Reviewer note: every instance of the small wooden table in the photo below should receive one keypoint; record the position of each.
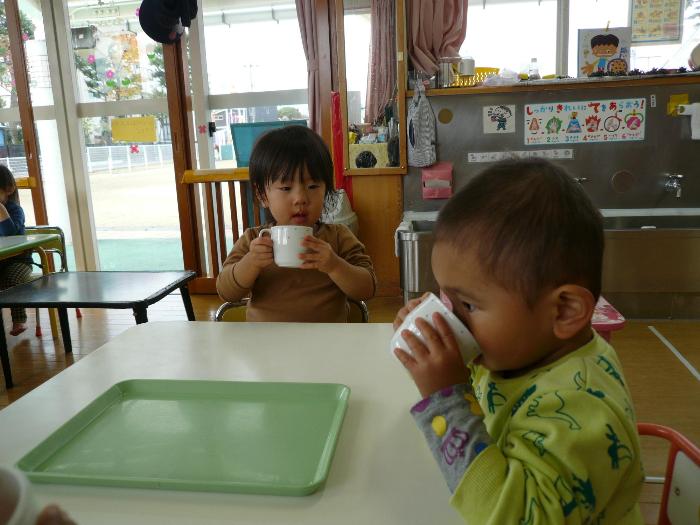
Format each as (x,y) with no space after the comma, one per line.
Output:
(15,244)
(63,290)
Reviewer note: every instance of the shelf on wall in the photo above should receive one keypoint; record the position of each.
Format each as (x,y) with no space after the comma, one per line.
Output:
(568,84)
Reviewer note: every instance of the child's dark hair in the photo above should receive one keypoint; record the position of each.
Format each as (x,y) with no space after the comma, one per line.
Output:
(605,40)
(533,228)
(282,153)
(7,181)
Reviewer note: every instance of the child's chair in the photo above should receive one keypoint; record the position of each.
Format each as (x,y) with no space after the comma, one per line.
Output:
(235,311)
(57,247)
(680,503)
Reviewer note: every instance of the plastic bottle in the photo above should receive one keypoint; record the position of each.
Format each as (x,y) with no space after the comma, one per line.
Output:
(534,70)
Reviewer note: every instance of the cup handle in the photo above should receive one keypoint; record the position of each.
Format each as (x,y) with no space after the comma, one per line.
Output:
(264,231)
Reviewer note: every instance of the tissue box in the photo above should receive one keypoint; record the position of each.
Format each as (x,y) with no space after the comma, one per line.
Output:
(437,181)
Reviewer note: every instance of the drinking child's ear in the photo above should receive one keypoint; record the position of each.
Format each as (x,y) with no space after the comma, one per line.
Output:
(574,310)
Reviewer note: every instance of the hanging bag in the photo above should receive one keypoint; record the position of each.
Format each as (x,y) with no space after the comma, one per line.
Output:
(421,130)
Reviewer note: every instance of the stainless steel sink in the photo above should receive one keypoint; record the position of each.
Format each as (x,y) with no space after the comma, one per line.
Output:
(414,243)
(672,222)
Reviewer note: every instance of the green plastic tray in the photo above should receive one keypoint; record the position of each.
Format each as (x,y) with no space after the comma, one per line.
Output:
(263,438)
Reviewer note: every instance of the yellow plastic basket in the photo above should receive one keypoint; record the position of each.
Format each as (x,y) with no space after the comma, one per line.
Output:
(480,74)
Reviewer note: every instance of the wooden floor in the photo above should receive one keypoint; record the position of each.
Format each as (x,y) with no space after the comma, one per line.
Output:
(664,390)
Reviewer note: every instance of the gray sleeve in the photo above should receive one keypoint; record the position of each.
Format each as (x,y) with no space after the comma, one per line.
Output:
(453,426)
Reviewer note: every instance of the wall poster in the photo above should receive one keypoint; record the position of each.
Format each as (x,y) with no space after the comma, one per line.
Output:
(587,121)
(656,21)
(499,119)
(605,50)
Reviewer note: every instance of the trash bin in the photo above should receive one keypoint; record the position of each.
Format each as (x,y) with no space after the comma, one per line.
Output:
(413,246)
(342,213)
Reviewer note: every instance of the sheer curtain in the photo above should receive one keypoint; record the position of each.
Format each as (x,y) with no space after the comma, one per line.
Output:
(436,28)
(381,76)
(306,14)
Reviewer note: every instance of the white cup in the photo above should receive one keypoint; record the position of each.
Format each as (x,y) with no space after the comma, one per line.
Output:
(17,505)
(286,243)
(425,310)
(466,66)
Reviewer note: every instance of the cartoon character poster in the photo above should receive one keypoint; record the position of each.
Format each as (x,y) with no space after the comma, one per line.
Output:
(603,51)
(587,121)
(499,119)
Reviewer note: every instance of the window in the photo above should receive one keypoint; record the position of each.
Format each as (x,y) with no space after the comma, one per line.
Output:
(242,56)
(589,14)
(114,58)
(509,33)
(256,67)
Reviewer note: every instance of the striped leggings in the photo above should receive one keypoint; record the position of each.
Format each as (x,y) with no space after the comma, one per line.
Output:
(11,274)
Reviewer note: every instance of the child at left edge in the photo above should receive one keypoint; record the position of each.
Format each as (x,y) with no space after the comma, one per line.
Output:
(17,269)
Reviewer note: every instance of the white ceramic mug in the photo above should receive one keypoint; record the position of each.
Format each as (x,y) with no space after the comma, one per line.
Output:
(286,243)
(466,66)
(17,505)
(425,310)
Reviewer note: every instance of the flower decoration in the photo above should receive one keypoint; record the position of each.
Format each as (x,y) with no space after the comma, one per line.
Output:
(109,74)
(202,129)
(91,59)
(134,148)
(25,37)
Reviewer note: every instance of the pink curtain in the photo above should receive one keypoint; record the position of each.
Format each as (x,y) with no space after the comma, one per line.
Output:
(436,28)
(306,14)
(381,76)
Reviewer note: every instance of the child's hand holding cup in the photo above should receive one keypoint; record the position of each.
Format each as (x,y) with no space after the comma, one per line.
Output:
(286,243)
(424,308)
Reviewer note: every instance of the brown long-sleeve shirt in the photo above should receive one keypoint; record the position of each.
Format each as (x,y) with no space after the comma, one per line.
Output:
(293,294)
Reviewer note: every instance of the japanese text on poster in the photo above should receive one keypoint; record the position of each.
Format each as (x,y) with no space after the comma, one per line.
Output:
(588,121)
(656,21)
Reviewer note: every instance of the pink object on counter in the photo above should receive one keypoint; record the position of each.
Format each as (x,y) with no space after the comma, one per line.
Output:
(606,319)
(437,181)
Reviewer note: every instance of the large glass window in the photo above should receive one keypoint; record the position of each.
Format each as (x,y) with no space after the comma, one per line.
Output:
(131,177)
(12,152)
(673,55)
(590,14)
(508,34)
(255,49)
(114,58)
(586,14)
(358,29)
(134,200)
(494,25)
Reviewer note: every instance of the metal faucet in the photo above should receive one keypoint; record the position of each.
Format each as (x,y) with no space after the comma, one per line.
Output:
(673,184)
(580,180)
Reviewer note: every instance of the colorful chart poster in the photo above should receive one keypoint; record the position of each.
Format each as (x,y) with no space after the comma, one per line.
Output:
(604,50)
(499,119)
(656,21)
(588,121)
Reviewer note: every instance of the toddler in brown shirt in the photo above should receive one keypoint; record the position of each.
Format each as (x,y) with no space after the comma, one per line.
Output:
(291,172)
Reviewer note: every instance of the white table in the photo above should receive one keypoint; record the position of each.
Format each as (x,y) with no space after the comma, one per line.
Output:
(382,472)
